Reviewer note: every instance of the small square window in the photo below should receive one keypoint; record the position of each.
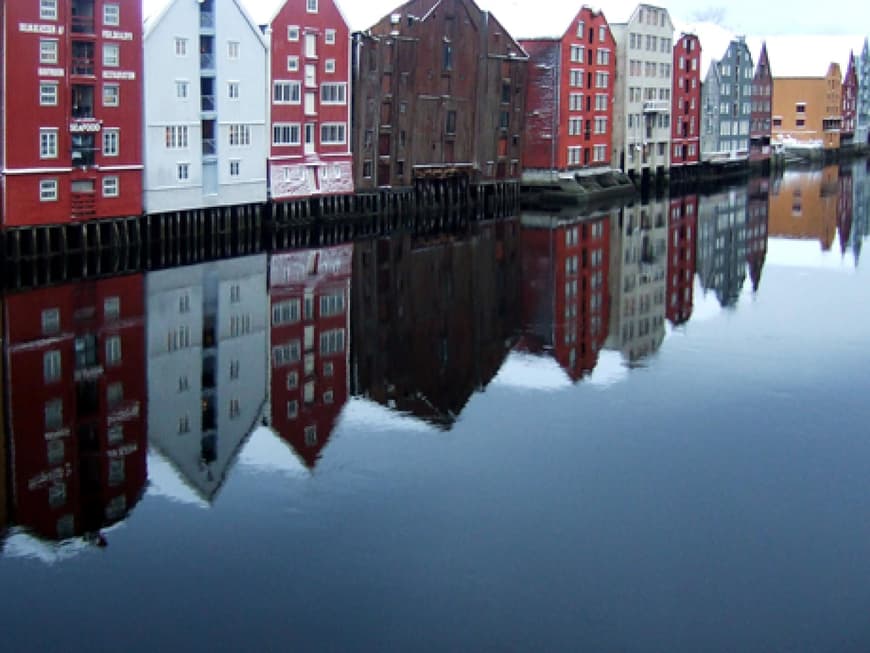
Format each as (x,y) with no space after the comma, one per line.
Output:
(111,14)
(293,64)
(235,165)
(111,308)
(111,55)
(48,94)
(329,65)
(180,47)
(293,33)
(48,9)
(110,187)
(292,409)
(48,190)
(329,37)
(292,380)
(311,6)
(111,95)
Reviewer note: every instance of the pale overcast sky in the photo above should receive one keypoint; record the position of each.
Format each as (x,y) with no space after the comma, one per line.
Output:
(742,16)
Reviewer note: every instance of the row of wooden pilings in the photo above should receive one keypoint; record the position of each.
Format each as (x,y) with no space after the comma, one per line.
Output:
(47,254)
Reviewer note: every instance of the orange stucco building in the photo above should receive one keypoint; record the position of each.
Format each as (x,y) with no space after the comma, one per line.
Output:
(808,109)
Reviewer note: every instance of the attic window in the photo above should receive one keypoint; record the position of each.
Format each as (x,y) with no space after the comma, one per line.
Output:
(395,18)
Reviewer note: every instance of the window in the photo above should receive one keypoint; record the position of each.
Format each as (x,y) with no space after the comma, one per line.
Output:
(113,350)
(310,45)
(310,77)
(111,139)
(117,474)
(285,134)
(332,304)
(292,380)
(233,49)
(311,6)
(285,92)
(176,137)
(328,397)
(329,66)
(601,102)
(182,171)
(286,354)
(602,80)
(114,394)
(111,308)
(184,303)
(111,55)
(235,167)
(183,383)
(53,414)
(55,451)
(111,14)
(180,47)
(240,135)
(603,57)
(51,366)
(111,95)
(48,143)
(447,57)
(293,33)
(233,90)
(332,341)
(450,126)
(329,36)
(47,50)
(328,368)
(110,187)
(235,409)
(48,94)
(333,94)
(116,433)
(576,78)
(800,107)
(332,133)
(293,64)
(50,321)
(577,53)
(311,435)
(292,409)
(602,33)
(48,9)
(184,424)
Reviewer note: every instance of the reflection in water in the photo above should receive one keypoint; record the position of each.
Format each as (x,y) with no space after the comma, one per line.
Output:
(565,298)
(414,324)
(433,317)
(206,366)
(76,391)
(309,293)
(638,267)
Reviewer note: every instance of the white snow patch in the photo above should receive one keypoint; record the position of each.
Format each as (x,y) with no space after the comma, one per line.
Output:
(525,371)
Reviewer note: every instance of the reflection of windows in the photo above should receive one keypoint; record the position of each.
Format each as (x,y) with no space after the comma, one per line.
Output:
(332,304)
(332,341)
(114,394)
(51,366)
(292,380)
(308,392)
(285,312)
(55,451)
(53,414)
(184,424)
(311,435)
(285,354)
(116,433)
(86,351)
(292,409)
(57,495)
(113,350)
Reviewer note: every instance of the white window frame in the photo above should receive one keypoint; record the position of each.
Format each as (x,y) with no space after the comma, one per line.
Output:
(293,63)
(289,85)
(180,46)
(111,55)
(341,133)
(48,51)
(235,167)
(329,37)
(293,32)
(111,186)
(182,89)
(239,135)
(288,127)
(329,66)
(311,6)
(311,45)
(48,143)
(233,49)
(48,190)
(340,89)
(47,9)
(111,141)
(48,94)
(111,14)
(116,94)
(233,90)
(182,171)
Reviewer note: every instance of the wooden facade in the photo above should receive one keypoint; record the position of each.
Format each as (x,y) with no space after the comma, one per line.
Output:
(808,110)
(439,92)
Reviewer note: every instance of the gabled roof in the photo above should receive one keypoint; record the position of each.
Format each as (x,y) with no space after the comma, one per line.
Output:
(153,12)
(264,12)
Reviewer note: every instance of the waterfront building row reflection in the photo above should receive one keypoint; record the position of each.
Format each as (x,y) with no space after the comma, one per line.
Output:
(105,381)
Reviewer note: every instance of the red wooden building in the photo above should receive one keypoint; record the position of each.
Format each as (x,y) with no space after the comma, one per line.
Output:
(849,102)
(75,366)
(309,292)
(686,102)
(439,92)
(565,281)
(569,97)
(310,103)
(682,239)
(761,116)
(757,212)
(71,110)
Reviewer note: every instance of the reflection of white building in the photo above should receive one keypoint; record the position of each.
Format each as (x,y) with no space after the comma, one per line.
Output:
(207,350)
(642,99)
(205,105)
(638,271)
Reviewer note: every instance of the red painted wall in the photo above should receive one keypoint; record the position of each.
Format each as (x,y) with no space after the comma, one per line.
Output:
(686,102)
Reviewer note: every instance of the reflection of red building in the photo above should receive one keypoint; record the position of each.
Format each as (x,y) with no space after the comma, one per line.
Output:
(71,103)
(756,227)
(565,299)
(682,235)
(310,305)
(76,378)
(686,102)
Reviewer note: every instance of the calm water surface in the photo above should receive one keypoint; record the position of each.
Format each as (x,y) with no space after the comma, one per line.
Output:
(639,430)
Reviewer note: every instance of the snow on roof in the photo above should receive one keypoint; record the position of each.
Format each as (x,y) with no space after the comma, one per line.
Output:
(714,41)
(807,56)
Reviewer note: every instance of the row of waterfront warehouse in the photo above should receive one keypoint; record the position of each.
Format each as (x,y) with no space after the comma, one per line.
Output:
(109,110)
